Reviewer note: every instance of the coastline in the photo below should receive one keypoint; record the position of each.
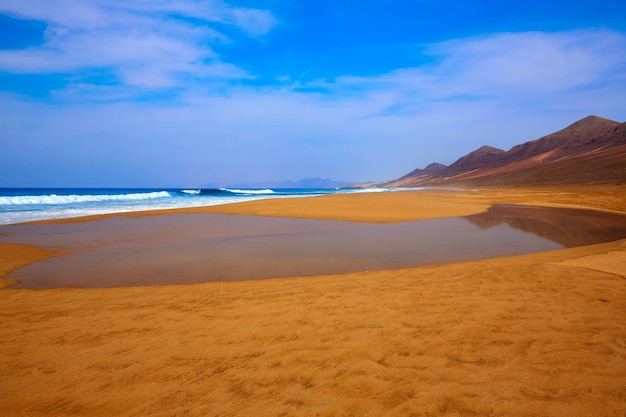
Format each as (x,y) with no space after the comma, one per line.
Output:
(531,334)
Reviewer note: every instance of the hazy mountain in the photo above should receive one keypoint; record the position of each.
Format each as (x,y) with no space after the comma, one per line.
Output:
(303,183)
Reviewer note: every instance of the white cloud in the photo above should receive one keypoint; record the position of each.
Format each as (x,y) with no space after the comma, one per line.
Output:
(537,61)
(70,14)
(498,90)
(506,64)
(253,21)
(251,135)
(144,43)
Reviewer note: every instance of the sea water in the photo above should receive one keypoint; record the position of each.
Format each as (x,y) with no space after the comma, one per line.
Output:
(19,205)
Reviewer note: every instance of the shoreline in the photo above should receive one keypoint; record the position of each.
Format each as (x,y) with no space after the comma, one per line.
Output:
(527,335)
(424,204)
(407,205)
(612,197)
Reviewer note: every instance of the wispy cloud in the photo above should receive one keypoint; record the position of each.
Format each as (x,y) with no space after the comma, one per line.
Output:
(507,64)
(535,61)
(499,90)
(143,43)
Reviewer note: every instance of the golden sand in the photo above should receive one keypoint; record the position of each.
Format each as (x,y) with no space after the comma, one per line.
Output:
(532,335)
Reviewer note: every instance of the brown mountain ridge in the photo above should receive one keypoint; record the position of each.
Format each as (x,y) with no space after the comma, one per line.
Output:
(589,151)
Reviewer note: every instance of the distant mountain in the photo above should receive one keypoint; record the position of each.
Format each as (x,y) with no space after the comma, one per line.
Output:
(589,151)
(304,183)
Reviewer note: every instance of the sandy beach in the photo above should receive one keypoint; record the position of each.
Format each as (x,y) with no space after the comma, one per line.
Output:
(541,334)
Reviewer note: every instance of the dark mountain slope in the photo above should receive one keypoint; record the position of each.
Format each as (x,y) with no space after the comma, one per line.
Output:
(589,151)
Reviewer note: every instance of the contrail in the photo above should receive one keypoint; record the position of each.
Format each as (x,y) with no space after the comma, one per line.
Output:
(332,52)
(324,58)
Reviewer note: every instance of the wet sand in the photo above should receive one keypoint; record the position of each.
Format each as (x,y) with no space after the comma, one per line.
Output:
(530,335)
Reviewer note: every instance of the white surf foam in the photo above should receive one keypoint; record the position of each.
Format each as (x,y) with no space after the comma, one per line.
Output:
(238,191)
(73,198)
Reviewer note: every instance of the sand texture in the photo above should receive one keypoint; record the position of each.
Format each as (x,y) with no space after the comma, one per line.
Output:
(14,256)
(531,335)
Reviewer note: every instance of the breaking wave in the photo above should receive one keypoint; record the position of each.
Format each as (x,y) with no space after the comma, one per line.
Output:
(237,191)
(74,198)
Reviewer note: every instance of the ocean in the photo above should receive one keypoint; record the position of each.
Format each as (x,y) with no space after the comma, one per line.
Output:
(19,205)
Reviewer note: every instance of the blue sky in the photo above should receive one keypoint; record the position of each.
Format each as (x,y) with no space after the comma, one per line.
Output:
(160,93)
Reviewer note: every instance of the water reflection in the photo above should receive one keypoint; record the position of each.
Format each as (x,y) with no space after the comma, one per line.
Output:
(568,227)
(184,249)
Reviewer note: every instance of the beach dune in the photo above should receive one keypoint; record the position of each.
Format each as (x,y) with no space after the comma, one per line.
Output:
(530,335)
